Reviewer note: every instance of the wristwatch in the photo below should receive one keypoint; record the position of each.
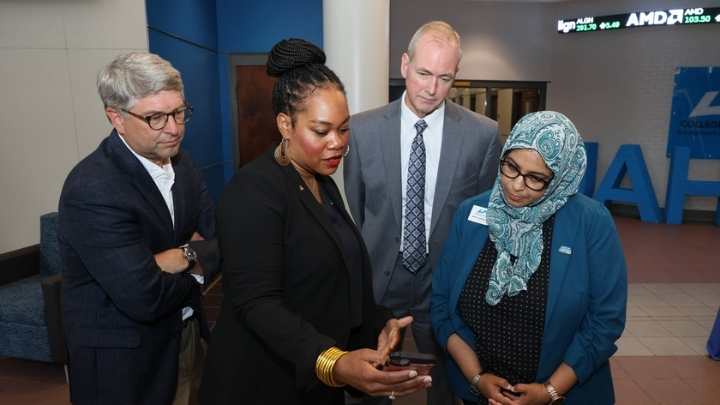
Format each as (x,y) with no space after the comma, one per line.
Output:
(474,383)
(555,398)
(190,255)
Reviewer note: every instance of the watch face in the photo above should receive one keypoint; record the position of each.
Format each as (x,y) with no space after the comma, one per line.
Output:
(190,254)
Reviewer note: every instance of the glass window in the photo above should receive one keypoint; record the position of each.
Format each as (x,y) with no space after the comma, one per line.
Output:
(503,101)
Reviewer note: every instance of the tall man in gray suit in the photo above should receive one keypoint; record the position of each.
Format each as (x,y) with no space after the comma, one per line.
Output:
(409,166)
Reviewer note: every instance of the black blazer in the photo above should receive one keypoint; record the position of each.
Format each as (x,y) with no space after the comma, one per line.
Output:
(121,313)
(286,287)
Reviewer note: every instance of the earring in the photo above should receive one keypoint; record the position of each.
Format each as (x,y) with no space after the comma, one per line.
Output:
(347,150)
(281,153)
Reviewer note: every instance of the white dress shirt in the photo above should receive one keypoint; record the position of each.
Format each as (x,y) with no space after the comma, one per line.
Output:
(164,178)
(432,137)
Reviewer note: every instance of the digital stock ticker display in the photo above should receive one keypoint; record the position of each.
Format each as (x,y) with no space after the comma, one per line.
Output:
(677,16)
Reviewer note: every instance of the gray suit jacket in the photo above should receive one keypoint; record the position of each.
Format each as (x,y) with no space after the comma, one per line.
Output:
(468,166)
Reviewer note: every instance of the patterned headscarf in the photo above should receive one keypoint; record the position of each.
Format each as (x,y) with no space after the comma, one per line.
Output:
(517,232)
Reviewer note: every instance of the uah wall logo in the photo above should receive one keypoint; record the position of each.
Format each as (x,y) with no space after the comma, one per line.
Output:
(708,105)
(695,116)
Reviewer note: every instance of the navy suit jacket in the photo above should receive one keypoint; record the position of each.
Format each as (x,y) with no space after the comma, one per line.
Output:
(587,295)
(122,315)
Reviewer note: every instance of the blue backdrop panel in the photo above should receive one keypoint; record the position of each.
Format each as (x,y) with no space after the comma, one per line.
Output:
(587,186)
(695,118)
(194,21)
(629,160)
(227,129)
(198,67)
(251,26)
(679,186)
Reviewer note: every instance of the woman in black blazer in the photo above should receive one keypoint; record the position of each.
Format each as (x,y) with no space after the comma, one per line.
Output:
(297,287)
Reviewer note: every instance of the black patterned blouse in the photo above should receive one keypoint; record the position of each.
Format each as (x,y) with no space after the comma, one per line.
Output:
(509,334)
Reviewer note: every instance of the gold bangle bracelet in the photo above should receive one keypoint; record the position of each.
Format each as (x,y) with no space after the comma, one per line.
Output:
(325,364)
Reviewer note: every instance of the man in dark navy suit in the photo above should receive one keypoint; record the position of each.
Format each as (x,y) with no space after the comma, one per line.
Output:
(136,225)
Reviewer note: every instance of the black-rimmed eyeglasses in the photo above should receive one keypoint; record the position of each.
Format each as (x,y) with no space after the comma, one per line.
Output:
(159,120)
(532,181)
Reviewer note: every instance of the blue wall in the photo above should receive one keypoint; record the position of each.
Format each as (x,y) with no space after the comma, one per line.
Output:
(194,21)
(198,37)
(185,33)
(251,26)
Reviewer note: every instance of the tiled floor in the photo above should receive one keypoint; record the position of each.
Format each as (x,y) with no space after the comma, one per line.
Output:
(674,296)
(669,319)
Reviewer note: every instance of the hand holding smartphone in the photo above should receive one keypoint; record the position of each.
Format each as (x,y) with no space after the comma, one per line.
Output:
(420,362)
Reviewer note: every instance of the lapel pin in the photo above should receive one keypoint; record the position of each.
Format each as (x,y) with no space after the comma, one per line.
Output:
(567,250)
(301,187)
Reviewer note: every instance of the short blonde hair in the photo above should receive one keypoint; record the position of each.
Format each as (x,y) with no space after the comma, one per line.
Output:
(441,31)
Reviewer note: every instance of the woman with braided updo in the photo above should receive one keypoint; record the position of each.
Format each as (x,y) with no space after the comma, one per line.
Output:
(298,316)
(529,295)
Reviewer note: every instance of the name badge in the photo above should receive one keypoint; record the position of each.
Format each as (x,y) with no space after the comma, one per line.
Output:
(478,215)
(566,250)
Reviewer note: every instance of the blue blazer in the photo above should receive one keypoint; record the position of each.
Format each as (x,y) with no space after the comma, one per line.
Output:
(587,294)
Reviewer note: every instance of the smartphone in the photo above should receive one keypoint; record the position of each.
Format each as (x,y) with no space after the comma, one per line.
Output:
(509,393)
(420,362)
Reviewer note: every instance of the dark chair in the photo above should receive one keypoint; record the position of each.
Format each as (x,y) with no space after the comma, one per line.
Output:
(30,299)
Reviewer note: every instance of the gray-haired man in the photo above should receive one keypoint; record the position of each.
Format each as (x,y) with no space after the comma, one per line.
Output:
(132,218)
(410,165)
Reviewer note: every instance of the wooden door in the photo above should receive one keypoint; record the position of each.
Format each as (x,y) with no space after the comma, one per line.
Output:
(257,130)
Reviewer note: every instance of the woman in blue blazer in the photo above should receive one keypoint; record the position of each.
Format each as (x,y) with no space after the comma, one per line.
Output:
(529,296)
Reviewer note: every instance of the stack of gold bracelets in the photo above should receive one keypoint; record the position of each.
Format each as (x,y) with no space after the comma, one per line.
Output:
(325,363)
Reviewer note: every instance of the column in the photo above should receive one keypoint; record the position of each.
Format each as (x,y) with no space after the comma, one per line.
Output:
(356,40)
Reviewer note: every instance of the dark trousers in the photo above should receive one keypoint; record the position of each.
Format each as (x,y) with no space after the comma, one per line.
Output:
(409,294)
